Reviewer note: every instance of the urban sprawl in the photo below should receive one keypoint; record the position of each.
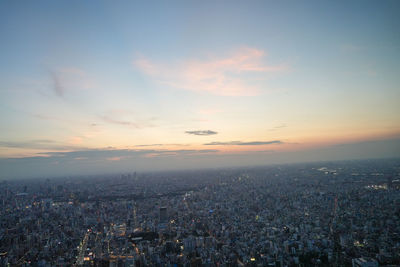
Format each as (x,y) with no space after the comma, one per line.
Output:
(318,214)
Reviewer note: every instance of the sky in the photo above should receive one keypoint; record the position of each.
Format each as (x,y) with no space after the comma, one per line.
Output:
(106,86)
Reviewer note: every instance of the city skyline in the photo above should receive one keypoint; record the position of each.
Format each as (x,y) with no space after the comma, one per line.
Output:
(98,86)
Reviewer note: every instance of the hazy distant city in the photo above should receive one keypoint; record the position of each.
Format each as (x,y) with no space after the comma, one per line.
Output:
(200,133)
(319,214)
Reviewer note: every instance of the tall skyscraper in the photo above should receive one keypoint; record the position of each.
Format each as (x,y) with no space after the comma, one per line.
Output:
(163,215)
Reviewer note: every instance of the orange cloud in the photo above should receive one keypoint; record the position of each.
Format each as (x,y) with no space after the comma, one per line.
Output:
(114,159)
(76,140)
(219,76)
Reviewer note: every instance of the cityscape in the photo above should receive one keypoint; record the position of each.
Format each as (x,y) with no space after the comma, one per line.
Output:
(206,133)
(317,214)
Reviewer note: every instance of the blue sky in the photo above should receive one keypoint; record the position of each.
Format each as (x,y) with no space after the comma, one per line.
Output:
(100,75)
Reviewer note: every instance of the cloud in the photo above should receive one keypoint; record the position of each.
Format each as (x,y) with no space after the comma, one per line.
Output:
(111,154)
(177,153)
(239,143)
(114,159)
(39,144)
(278,127)
(206,132)
(150,145)
(76,140)
(80,158)
(155,145)
(227,76)
(68,79)
(58,88)
(121,122)
(127,118)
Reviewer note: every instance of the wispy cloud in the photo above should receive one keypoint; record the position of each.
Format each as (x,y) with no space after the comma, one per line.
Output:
(114,159)
(239,143)
(164,145)
(125,154)
(182,152)
(57,86)
(80,158)
(127,118)
(39,144)
(121,122)
(278,127)
(31,143)
(219,76)
(66,79)
(204,132)
(149,145)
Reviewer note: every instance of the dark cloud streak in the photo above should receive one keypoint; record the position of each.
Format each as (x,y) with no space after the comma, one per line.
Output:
(58,88)
(240,143)
(202,133)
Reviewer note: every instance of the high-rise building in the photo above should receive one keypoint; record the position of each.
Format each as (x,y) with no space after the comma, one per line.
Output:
(163,215)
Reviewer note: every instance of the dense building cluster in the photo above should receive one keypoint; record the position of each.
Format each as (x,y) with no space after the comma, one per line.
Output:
(320,214)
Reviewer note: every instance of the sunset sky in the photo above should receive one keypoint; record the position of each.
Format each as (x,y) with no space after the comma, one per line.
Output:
(107,86)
